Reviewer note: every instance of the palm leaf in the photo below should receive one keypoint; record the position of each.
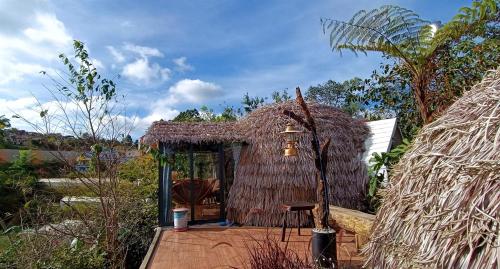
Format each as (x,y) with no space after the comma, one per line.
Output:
(389,29)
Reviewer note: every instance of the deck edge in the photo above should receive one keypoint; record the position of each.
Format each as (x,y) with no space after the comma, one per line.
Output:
(152,247)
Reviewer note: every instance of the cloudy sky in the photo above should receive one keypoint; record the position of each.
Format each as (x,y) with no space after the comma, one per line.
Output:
(167,56)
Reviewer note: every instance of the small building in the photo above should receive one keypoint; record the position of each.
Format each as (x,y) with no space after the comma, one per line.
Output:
(237,171)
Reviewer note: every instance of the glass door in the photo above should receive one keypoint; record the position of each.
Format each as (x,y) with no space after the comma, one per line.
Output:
(206,186)
(197,182)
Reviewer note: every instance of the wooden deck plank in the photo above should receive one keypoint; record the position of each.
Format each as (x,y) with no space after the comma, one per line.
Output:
(220,247)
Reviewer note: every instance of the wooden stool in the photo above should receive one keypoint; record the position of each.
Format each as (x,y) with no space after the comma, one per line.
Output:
(295,206)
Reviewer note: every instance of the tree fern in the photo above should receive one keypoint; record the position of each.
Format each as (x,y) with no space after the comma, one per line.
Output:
(400,33)
(389,29)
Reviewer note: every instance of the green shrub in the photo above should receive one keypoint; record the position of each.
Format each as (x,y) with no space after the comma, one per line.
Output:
(387,160)
(41,251)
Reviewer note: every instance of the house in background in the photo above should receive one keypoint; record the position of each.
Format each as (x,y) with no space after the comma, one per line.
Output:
(385,135)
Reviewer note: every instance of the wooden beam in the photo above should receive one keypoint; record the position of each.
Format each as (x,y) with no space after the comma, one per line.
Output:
(354,221)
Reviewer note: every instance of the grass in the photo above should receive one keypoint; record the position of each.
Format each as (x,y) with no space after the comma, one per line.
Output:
(4,242)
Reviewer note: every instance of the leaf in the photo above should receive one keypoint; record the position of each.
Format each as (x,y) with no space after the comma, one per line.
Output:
(43,113)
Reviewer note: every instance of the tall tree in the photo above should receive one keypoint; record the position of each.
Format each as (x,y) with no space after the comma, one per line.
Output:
(401,34)
(4,122)
(279,97)
(345,95)
(251,103)
(189,115)
(127,140)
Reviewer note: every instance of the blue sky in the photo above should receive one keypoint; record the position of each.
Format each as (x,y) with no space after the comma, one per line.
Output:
(173,55)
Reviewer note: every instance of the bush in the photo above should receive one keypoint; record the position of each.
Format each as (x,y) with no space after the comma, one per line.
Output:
(139,212)
(29,250)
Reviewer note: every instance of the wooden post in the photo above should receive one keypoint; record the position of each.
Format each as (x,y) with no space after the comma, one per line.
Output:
(191,183)
(161,193)
(222,181)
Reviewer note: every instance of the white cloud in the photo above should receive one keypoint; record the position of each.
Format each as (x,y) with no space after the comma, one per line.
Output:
(27,107)
(182,65)
(32,48)
(194,90)
(50,30)
(118,56)
(142,72)
(143,51)
(97,64)
(16,71)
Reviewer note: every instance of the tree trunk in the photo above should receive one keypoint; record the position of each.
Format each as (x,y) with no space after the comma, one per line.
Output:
(420,87)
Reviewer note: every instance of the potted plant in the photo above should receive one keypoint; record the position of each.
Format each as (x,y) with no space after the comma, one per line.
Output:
(324,245)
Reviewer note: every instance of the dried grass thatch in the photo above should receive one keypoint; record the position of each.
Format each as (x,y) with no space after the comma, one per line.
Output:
(191,132)
(265,179)
(442,209)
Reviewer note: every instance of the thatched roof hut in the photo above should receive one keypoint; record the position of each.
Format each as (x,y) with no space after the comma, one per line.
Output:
(265,178)
(442,208)
(191,132)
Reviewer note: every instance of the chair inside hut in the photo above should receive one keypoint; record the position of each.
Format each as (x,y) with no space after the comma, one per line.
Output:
(197,177)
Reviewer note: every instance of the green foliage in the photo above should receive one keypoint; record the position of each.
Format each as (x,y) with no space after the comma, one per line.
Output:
(415,44)
(388,94)
(139,214)
(190,115)
(4,243)
(279,97)
(389,29)
(138,219)
(378,161)
(19,178)
(228,114)
(345,96)
(401,33)
(127,140)
(4,122)
(87,84)
(251,103)
(140,169)
(79,256)
(38,251)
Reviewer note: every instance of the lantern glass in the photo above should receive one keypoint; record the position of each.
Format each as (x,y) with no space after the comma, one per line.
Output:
(292,136)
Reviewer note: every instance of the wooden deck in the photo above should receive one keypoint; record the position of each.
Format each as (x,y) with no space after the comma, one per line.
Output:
(220,247)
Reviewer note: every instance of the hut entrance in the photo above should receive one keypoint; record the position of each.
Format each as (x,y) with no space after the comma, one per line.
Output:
(195,179)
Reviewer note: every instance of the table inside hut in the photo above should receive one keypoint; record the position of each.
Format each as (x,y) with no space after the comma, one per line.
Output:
(298,207)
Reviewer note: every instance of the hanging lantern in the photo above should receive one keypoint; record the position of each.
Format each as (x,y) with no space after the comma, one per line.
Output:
(291,140)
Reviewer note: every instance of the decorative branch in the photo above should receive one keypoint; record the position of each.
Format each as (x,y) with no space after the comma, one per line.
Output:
(320,160)
(297,118)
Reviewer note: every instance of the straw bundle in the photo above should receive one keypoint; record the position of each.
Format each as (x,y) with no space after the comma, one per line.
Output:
(265,179)
(442,208)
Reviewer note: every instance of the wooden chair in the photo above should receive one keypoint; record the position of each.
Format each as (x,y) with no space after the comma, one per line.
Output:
(299,207)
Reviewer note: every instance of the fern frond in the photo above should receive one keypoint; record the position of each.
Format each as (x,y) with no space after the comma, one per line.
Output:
(462,23)
(389,29)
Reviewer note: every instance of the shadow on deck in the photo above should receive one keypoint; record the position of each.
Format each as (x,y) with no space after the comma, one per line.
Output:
(223,247)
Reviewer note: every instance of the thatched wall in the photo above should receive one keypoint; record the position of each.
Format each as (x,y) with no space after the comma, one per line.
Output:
(191,132)
(442,209)
(265,178)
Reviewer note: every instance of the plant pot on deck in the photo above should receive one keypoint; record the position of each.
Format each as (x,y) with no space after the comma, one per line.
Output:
(324,247)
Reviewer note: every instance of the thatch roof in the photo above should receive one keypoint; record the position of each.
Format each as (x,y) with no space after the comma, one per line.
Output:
(442,208)
(191,132)
(265,178)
